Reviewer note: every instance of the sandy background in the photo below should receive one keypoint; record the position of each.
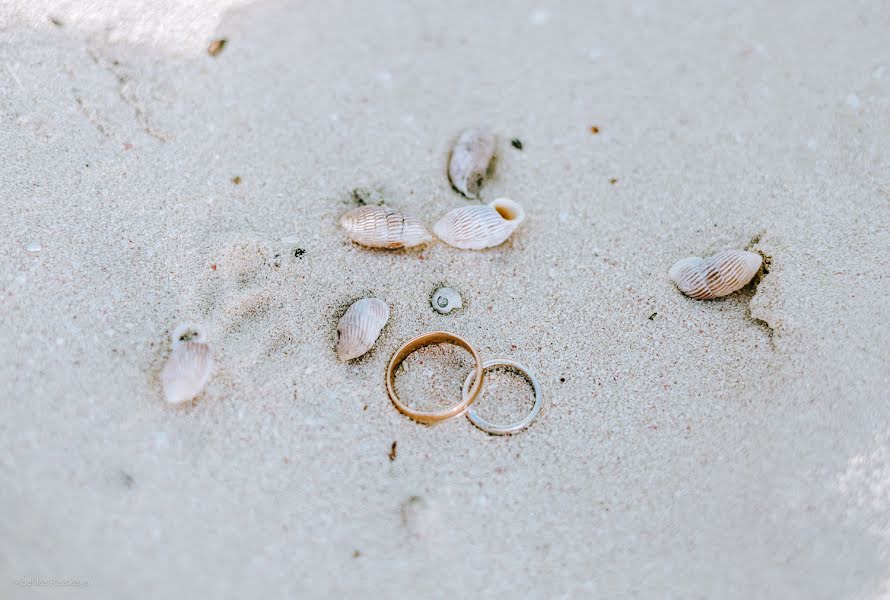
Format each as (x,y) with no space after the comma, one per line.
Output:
(728,449)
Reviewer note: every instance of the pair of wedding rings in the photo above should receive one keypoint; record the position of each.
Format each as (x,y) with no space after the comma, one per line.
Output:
(472,385)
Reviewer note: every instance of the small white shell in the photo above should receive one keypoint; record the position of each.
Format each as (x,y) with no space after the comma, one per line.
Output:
(719,275)
(446,299)
(477,227)
(382,227)
(187,371)
(360,326)
(470,160)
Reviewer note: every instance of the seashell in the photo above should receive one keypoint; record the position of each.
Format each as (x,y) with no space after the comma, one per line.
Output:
(360,326)
(187,371)
(470,160)
(382,227)
(446,299)
(719,275)
(477,227)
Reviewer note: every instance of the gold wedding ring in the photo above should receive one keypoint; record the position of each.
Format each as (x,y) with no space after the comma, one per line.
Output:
(428,339)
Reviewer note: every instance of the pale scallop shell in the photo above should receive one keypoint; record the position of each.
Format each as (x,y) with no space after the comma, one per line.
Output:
(187,371)
(719,275)
(477,227)
(360,326)
(470,160)
(382,227)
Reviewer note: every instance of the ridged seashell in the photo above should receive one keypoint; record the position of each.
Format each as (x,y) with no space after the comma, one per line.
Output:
(477,227)
(187,371)
(360,326)
(382,227)
(719,275)
(470,160)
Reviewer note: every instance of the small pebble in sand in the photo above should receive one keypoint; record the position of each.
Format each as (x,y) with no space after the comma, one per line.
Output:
(719,275)
(236,180)
(445,299)
(393,451)
(360,326)
(594,129)
(33,247)
(216,46)
(480,226)
(189,332)
(470,161)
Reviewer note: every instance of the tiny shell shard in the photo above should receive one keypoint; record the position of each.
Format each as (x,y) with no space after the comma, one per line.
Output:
(187,371)
(478,227)
(470,160)
(216,46)
(381,227)
(360,326)
(719,275)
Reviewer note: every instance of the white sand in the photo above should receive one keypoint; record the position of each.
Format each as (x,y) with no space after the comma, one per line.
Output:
(729,449)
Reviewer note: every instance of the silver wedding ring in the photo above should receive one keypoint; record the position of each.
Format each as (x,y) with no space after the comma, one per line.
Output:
(491,428)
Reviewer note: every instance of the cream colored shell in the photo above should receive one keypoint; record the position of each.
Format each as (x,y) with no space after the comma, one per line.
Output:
(482,226)
(719,275)
(470,160)
(187,371)
(360,326)
(382,227)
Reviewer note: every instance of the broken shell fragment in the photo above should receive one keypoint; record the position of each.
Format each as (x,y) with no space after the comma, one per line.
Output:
(445,299)
(719,275)
(187,371)
(470,160)
(477,227)
(382,227)
(360,326)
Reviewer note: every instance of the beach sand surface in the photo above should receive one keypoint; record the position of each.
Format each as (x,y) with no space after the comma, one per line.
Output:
(736,448)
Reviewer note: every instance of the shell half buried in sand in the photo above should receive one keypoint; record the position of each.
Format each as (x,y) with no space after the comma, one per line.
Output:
(360,326)
(187,371)
(382,227)
(719,275)
(470,160)
(477,227)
